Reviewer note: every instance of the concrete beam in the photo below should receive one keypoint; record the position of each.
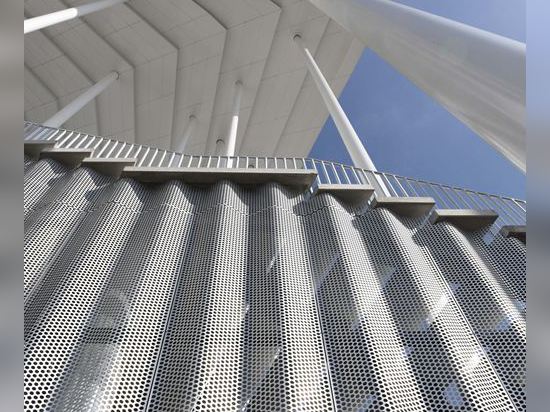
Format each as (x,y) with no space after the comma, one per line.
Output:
(352,194)
(299,179)
(69,157)
(466,219)
(405,206)
(518,232)
(35,147)
(108,166)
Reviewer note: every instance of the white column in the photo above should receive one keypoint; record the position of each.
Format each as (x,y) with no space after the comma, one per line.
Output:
(219,149)
(355,148)
(477,76)
(231,140)
(74,107)
(39,22)
(188,132)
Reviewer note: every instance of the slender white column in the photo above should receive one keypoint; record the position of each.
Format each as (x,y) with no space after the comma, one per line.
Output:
(188,132)
(39,22)
(477,76)
(231,140)
(219,150)
(355,148)
(77,104)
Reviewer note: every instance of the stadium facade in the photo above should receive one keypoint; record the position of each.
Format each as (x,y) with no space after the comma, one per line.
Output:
(197,260)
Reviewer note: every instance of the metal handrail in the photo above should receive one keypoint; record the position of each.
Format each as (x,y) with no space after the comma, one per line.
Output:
(511,211)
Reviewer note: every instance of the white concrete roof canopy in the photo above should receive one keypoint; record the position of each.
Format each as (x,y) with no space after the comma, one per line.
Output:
(181,58)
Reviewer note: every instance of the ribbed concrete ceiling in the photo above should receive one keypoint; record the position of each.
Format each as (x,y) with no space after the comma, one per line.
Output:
(178,58)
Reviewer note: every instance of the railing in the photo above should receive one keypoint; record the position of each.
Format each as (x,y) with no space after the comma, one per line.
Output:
(511,211)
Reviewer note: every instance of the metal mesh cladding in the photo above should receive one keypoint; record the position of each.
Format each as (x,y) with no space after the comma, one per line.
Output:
(172,297)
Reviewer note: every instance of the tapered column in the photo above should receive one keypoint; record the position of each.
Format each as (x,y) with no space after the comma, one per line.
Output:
(477,76)
(40,22)
(220,145)
(58,119)
(355,148)
(189,130)
(231,140)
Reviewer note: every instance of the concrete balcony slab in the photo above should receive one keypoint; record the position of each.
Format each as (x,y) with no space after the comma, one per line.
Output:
(295,178)
(108,166)
(405,206)
(465,219)
(34,147)
(69,157)
(519,232)
(348,193)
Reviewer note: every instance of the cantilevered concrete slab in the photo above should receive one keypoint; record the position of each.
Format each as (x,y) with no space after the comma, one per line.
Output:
(69,157)
(519,232)
(296,178)
(465,219)
(108,166)
(348,193)
(405,206)
(34,147)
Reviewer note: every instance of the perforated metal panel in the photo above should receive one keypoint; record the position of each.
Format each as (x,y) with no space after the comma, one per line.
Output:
(172,297)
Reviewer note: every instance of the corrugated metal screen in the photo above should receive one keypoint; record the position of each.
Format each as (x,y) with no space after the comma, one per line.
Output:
(173,297)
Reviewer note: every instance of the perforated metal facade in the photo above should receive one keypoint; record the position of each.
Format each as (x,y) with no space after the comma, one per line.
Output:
(172,297)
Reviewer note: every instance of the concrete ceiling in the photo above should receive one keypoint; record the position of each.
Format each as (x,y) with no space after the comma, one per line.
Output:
(178,58)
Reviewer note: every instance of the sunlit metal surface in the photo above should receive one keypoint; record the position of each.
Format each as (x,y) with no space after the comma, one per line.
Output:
(174,297)
(511,211)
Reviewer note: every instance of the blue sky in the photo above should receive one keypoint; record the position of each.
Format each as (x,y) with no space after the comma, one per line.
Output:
(408,133)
